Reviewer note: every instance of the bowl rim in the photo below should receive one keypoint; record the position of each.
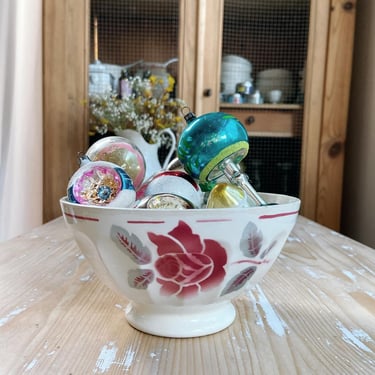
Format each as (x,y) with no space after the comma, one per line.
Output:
(286,201)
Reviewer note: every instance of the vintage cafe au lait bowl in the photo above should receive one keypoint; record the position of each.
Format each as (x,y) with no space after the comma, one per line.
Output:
(180,269)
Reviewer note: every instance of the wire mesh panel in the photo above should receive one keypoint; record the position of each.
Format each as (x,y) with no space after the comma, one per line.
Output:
(131,30)
(138,35)
(263,61)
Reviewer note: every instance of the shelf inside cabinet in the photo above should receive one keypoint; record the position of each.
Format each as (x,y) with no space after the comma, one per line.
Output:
(268,120)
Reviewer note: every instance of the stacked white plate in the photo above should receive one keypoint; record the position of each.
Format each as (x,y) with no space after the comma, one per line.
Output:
(276,79)
(234,69)
(115,71)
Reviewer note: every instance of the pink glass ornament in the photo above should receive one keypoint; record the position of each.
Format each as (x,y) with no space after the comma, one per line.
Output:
(124,153)
(101,183)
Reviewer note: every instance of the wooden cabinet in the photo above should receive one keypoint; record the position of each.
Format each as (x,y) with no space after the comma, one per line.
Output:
(320,123)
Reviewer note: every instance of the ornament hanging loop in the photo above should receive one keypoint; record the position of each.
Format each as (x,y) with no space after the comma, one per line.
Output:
(236,177)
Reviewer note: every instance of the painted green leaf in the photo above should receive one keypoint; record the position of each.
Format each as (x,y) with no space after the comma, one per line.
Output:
(251,240)
(239,280)
(140,279)
(130,245)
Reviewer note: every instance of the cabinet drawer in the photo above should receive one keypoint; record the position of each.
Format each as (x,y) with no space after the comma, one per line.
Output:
(269,123)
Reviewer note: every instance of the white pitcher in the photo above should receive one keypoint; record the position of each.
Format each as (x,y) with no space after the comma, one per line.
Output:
(150,150)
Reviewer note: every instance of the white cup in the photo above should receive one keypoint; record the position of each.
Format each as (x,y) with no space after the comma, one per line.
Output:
(274,96)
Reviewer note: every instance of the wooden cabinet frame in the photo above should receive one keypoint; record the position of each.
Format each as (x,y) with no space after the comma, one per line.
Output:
(327,89)
(328,73)
(65,62)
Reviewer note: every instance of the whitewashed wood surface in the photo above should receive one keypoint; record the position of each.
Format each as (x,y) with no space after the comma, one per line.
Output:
(314,313)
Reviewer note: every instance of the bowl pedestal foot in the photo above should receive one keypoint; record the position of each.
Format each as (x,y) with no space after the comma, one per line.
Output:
(181,321)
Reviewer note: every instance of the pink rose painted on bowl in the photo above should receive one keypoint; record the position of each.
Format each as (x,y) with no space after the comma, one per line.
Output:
(187,264)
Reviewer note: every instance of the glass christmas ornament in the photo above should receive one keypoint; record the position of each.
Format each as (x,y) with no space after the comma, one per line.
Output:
(213,145)
(164,201)
(174,182)
(100,183)
(124,153)
(225,195)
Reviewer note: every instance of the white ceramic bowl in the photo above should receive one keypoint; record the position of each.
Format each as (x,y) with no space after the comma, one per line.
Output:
(235,59)
(285,85)
(180,269)
(275,73)
(232,67)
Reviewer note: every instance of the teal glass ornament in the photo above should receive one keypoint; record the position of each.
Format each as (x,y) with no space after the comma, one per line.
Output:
(213,145)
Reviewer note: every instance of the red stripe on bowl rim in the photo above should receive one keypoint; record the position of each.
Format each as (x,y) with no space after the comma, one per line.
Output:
(212,220)
(145,221)
(278,215)
(81,217)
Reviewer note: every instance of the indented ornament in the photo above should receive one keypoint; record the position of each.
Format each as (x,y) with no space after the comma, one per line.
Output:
(101,183)
(174,182)
(124,153)
(164,201)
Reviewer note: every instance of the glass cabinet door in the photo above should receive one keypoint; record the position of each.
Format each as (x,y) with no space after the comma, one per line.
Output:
(264,51)
(260,59)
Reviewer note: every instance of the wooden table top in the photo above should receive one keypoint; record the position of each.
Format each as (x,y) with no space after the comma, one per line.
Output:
(313,313)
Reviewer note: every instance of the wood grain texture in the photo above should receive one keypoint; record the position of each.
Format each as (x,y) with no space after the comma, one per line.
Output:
(209,52)
(313,105)
(188,52)
(65,60)
(335,114)
(314,313)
